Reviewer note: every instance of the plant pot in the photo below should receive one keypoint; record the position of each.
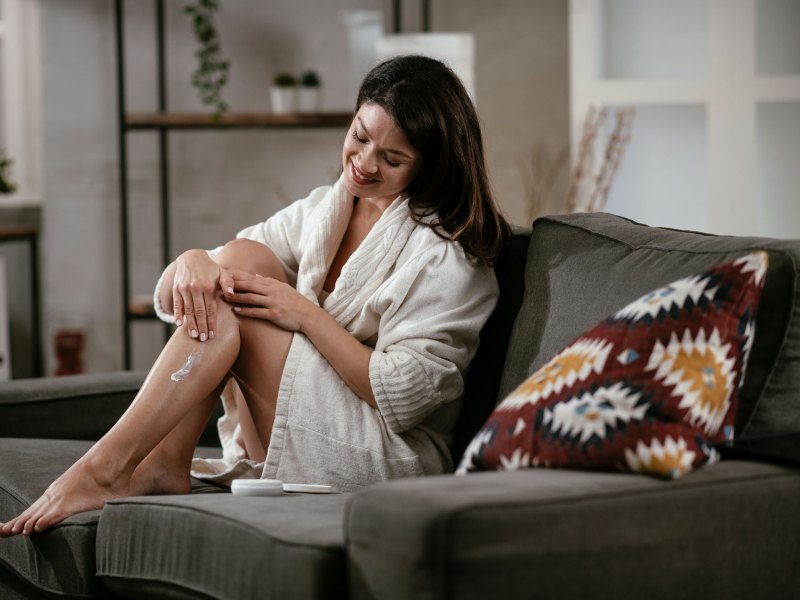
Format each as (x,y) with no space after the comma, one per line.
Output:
(309,99)
(283,100)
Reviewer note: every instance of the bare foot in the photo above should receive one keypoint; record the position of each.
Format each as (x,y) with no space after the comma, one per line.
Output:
(84,486)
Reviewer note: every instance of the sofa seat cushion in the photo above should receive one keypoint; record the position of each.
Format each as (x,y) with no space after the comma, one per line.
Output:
(224,546)
(730,530)
(61,561)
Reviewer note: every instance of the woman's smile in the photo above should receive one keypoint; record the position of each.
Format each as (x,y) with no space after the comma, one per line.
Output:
(378,161)
(358,176)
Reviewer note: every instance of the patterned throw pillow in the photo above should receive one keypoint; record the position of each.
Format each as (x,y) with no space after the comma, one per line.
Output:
(648,389)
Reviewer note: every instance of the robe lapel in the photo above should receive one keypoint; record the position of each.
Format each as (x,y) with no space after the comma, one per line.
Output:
(367,267)
(332,215)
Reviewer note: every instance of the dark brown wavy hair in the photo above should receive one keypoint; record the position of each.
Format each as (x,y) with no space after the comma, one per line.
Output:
(430,105)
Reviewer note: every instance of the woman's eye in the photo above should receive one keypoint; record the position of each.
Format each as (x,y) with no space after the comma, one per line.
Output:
(391,163)
(359,139)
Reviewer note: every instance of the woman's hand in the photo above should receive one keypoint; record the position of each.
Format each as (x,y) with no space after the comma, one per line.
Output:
(267,298)
(278,302)
(195,286)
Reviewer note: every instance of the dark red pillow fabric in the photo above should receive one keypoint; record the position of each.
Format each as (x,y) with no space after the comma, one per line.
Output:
(645,390)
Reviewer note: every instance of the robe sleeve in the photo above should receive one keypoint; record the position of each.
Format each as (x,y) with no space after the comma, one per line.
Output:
(283,233)
(428,333)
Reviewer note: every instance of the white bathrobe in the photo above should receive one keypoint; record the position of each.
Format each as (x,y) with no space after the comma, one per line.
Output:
(406,292)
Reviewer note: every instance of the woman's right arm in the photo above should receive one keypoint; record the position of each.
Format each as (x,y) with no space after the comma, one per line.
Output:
(190,286)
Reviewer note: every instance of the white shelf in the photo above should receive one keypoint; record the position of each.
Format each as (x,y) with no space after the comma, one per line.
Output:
(649,92)
(777,89)
(717,88)
(777,177)
(777,43)
(653,38)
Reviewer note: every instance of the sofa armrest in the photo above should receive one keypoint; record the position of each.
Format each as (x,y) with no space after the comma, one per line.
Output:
(80,407)
(727,530)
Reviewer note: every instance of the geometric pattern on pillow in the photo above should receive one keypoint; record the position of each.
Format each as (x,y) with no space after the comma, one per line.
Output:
(647,390)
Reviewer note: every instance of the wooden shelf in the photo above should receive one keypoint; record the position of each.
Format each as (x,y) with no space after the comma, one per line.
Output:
(188,120)
(141,307)
(17,232)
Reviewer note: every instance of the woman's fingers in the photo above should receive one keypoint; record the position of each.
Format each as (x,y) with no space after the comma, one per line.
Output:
(246,282)
(249,299)
(177,306)
(189,321)
(200,314)
(254,312)
(210,301)
(226,282)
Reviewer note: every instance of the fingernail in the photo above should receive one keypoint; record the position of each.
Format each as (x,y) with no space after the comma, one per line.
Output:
(194,333)
(202,337)
(178,322)
(229,290)
(211,335)
(237,308)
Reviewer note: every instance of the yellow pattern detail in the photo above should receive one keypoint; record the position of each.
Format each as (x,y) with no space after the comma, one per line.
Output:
(671,464)
(561,366)
(705,375)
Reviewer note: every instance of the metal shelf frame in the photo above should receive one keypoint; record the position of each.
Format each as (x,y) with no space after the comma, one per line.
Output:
(162,122)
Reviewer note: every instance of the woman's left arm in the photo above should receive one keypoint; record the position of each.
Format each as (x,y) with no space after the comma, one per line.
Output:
(266,298)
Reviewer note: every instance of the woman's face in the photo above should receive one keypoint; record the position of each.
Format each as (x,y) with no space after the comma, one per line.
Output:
(378,161)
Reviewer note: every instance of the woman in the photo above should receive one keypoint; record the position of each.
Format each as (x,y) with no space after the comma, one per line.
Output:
(338,332)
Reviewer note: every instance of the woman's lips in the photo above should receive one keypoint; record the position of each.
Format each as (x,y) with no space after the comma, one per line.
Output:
(358,176)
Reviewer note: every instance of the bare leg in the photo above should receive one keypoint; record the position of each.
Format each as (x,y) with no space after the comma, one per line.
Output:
(166,469)
(106,470)
(249,439)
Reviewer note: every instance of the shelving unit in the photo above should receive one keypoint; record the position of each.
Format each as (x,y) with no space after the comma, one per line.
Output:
(181,120)
(716,85)
(163,122)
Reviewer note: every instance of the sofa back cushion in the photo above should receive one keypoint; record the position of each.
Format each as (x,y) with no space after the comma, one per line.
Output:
(583,267)
(483,378)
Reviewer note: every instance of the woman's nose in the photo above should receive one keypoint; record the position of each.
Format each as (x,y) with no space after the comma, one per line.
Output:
(368,162)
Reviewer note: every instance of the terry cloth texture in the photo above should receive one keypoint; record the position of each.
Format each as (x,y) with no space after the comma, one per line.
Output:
(412,296)
(224,546)
(583,267)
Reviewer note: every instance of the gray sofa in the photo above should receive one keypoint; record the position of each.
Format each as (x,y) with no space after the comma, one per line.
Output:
(729,530)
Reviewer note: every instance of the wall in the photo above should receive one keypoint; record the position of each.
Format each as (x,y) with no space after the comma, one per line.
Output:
(222,181)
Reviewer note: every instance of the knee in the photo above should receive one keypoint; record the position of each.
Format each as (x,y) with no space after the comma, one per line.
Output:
(252,257)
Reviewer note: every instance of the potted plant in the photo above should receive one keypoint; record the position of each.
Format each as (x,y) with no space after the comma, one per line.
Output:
(211,74)
(6,186)
(310,93)
(284,94)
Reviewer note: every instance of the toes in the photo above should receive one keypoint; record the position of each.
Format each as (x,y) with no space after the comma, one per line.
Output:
(46,521)
(5,528)
(21,526)
(27,529)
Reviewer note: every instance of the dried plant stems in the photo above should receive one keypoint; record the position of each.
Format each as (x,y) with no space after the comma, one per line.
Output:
(591,125)
(588,187)
(615,148)
(540,175)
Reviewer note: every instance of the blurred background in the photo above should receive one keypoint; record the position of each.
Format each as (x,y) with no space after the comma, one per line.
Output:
(676,113)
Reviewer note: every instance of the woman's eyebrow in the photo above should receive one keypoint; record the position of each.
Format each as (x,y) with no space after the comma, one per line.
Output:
(390,150)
